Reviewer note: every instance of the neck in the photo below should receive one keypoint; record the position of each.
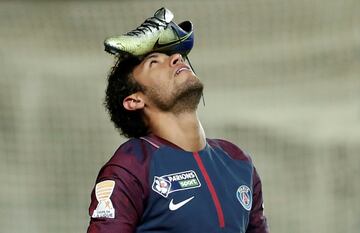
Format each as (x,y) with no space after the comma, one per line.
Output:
(183,130)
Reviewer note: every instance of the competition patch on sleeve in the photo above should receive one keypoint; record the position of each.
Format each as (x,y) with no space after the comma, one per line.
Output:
(103,191)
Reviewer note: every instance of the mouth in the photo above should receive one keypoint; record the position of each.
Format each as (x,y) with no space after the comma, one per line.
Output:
(182,68)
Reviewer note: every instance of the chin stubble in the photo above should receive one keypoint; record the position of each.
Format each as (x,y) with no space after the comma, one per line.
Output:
(181,100)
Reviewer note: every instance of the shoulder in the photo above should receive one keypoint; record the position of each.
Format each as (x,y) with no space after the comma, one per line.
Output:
(134,150)
(133,156)
(231,149)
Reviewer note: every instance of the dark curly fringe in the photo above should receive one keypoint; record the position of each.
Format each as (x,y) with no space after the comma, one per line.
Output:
(120,85)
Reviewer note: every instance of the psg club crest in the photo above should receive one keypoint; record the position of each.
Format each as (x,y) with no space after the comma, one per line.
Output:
(244,196)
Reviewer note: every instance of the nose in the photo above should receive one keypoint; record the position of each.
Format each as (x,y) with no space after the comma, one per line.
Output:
(175,59)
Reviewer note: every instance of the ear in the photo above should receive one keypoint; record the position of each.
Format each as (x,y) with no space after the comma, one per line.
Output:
(133,102)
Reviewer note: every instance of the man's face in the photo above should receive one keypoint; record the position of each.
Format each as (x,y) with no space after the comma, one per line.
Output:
(168,82)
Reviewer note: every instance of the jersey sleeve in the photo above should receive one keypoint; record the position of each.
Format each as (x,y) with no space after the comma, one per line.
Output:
(116,201)
(257,221)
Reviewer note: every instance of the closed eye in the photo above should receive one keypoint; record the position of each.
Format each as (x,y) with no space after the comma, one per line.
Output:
(153,62)
(152,59)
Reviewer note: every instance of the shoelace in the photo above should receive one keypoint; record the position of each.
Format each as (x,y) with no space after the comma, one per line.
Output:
(148,25)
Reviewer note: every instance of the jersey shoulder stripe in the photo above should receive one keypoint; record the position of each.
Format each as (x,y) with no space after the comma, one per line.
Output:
(230,149)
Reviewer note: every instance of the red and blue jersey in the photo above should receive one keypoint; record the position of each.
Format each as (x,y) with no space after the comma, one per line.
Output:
(151,185)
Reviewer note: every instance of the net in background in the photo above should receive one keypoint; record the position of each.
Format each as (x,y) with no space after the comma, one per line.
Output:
(281,81)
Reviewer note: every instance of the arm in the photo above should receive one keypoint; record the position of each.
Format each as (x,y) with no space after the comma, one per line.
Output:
(257,221)
(116,201)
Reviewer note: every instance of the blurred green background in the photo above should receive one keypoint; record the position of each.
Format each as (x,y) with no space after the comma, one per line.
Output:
(282,81)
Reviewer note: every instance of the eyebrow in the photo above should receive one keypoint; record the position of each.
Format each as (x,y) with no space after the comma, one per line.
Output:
(153,55)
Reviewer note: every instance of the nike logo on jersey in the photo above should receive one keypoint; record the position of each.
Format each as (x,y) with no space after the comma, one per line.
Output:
(173,206)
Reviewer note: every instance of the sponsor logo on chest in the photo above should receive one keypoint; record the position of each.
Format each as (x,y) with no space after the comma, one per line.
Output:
(166,184)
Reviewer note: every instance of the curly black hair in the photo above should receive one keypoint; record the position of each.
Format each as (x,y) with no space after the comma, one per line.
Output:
(120,85)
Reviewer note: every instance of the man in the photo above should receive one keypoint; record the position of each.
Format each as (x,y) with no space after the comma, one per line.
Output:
(168,177)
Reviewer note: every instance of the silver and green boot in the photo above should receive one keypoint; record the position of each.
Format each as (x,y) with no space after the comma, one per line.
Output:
(157,34)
